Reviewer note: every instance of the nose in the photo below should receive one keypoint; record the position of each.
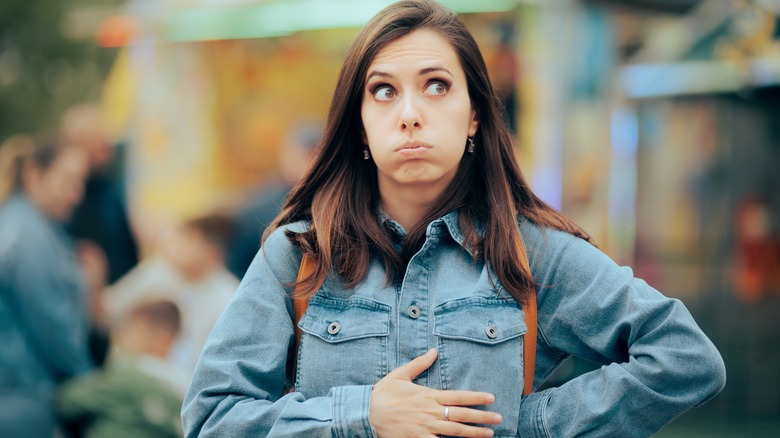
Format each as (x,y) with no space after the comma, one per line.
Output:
(410,116)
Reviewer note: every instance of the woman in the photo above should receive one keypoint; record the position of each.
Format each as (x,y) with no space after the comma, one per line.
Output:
(427,239)
(44,317)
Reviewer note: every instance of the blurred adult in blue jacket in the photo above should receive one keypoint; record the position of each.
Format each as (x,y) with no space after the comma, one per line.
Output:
(101,215)
(44,310)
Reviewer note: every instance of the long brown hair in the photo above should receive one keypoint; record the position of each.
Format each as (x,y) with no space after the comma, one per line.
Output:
(339,194)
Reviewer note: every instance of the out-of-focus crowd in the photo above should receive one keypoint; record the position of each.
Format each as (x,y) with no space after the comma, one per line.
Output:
(95,341)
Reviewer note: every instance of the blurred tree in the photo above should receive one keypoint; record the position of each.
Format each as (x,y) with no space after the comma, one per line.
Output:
(48,60)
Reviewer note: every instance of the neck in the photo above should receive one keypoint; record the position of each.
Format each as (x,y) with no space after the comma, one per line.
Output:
(408,205)
(37,199)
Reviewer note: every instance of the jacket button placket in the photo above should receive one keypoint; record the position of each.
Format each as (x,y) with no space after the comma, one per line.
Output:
(413,305)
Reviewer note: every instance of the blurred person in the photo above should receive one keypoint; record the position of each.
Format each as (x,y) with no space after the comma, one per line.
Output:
(44,307)
(295,155)
(101,217)
(190,271)
(139,392)
(757,255)
(420,251)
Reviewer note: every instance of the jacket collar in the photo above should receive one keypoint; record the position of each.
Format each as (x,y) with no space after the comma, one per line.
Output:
(447,224)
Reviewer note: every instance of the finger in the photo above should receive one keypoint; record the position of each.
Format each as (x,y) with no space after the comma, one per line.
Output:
(463,398)
(450,428)
(415,367)
(474,416)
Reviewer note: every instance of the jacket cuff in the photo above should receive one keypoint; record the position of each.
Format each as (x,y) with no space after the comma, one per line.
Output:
(350,411)
(533,411)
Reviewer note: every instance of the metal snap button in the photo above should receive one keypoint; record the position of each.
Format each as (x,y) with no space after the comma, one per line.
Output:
(413,312)
(334,327)
(491,331)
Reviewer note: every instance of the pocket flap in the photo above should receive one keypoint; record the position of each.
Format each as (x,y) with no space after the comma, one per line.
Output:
(477,319)
(343,320)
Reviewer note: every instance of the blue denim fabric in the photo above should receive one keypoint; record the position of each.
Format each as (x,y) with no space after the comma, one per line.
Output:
(44,315)
(657,362)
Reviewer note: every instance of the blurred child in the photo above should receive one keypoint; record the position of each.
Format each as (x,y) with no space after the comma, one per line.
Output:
(191,270)
(139,393)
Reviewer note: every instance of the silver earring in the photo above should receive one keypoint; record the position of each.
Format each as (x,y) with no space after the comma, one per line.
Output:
(471,145)
(365,153)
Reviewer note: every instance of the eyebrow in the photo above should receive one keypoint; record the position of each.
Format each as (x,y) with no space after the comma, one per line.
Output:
(422,72)
(425,71)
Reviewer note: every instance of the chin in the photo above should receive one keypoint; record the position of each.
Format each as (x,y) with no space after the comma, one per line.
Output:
(421,179)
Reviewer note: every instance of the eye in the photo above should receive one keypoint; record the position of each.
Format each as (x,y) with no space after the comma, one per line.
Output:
(437,88)
(384,93)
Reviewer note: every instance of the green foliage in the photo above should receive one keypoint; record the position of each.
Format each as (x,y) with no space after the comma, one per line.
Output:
(43,70)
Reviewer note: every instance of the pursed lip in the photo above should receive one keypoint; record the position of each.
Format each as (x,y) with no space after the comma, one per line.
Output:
(412,145)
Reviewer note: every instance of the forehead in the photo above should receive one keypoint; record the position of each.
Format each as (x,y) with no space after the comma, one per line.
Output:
(70,159)
(417,49)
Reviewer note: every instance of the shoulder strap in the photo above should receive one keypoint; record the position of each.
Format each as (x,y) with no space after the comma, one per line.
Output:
(529,338)
(529,342)
(299,308)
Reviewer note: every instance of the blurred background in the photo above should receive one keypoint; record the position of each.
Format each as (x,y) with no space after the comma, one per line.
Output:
(654,124)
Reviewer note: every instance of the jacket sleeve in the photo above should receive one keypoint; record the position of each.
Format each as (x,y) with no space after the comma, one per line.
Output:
(83,397)
(656,362)
(237,389)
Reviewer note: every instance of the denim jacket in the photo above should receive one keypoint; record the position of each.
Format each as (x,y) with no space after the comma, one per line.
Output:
(44,312)
(657,362)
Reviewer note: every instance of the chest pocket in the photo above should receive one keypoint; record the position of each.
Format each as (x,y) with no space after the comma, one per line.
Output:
(481,349)
(343,342)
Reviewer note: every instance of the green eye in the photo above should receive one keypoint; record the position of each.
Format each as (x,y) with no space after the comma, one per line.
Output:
(384,93)
(436,88)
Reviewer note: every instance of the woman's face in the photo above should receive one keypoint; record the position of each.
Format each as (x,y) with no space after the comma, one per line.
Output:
(416,113)
(57,189)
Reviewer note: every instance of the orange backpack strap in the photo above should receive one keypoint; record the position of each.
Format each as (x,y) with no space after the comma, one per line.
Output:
(529,343)
(300,305)
(299,308)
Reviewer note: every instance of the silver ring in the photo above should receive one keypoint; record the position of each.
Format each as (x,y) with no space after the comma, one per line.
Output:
(446,413)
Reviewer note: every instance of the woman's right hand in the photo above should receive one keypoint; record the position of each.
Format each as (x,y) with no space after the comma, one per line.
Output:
(401,408)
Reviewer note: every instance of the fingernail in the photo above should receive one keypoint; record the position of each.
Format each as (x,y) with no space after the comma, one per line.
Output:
(491,398)
(497,418)
(488,433)
(431,352)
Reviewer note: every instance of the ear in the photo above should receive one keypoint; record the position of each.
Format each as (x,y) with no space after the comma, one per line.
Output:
(474,124)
